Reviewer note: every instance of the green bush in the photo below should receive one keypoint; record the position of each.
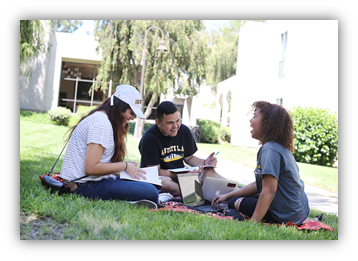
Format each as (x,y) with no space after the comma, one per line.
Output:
(210,130)
(84,110)
(131,126)
(225,134)
(60,115)
(316,136)
(204,122)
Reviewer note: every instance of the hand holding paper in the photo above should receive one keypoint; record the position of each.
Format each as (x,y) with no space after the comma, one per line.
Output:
(198,169)
(152,176)
(135,172)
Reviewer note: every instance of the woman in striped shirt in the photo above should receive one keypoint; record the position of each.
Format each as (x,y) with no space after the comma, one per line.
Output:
(97,148)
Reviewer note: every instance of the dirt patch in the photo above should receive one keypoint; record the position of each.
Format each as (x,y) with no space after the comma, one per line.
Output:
(34,227)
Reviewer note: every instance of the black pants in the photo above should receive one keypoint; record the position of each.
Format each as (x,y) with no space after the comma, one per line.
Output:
(247,207)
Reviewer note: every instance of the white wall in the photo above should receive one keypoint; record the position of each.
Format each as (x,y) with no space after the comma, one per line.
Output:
(33,93)
(311,77)
(225,89)
(202,105)
(312,71)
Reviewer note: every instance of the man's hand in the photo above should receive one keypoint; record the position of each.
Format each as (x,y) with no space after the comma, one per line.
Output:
(211,160)
(199,171)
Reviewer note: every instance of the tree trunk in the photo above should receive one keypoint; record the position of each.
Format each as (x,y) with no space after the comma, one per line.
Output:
(139,126)
(153,99)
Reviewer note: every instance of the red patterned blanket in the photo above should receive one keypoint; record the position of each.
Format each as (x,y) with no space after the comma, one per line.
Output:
(229,214)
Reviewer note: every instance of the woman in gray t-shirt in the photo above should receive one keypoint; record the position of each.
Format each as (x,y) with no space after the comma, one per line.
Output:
(277,195)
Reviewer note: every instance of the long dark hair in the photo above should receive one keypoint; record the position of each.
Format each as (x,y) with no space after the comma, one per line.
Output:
(276,124)
(116,118)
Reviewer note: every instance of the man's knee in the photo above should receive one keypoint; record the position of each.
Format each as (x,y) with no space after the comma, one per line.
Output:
(169,185)
(210,172)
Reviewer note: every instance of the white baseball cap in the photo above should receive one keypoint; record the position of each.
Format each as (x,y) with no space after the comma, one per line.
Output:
(131,96)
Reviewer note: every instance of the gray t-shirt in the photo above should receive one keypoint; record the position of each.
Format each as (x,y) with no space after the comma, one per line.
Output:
(290,202)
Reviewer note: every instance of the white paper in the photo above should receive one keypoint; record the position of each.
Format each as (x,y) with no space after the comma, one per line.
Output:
(151,175)
(187,169)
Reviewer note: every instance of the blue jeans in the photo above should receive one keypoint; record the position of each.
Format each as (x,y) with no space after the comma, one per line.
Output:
(120,189)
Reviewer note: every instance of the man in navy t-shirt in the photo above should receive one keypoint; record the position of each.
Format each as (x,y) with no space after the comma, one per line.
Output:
(169,144)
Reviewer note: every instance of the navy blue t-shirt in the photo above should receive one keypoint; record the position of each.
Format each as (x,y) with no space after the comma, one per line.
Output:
(166,151)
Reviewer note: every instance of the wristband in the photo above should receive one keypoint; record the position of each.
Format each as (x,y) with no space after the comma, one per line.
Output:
(126,166)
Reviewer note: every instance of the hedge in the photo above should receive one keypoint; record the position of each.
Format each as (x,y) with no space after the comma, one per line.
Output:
(209,130)
(60,115)
(131,126)
(316,135)
(225,134)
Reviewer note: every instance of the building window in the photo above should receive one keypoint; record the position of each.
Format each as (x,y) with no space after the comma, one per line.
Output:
(279,101)
(281,73)
(75,86)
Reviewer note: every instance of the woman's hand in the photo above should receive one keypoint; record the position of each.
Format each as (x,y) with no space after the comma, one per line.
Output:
(134,171)
(134,163)
(219,199)
(269,188)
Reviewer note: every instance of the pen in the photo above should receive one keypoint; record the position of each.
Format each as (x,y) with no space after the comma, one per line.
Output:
(215,154)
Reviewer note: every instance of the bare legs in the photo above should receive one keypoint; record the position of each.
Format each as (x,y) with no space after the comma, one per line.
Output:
(210,172)
(171,186)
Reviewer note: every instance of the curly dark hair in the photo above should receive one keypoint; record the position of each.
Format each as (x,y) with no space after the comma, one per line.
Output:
(276,124)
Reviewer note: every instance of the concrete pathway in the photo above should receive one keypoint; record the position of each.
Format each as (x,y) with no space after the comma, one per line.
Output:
(318,198)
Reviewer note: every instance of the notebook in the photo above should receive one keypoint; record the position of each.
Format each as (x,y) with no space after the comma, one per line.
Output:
(151,175)
(214,187)
(192,193)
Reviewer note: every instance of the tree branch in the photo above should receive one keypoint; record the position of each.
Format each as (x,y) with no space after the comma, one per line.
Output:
(148,111)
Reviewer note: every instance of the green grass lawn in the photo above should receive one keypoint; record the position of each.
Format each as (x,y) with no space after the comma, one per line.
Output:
(49,216)
(319,176)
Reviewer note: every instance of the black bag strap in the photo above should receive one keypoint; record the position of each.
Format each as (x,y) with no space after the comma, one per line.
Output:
(56,163)
(58,157)
(69,181)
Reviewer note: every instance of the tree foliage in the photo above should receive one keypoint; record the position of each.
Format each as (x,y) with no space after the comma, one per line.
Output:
(68,26)
(182,68)
(32,42)
(224,49)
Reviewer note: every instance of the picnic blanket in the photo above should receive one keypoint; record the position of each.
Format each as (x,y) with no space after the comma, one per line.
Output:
(176,205)
(227,214)
(231,214)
